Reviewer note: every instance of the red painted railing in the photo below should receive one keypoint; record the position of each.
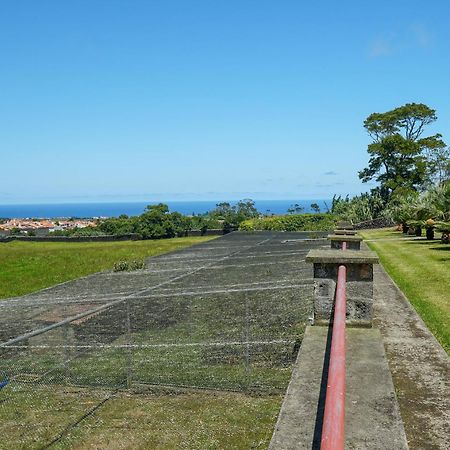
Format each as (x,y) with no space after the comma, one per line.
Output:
(333,435)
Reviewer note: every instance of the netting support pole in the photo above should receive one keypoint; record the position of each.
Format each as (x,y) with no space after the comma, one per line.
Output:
(66,350)
(129,350)
(247,344)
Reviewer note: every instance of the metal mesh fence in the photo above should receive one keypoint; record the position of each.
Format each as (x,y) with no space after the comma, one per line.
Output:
(227,314)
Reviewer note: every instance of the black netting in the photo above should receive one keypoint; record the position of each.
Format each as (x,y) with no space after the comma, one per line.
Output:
(227,314)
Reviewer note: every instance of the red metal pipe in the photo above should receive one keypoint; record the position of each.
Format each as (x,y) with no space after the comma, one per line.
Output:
(333,436)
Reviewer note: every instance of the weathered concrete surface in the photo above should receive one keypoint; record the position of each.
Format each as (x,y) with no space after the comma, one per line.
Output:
(347,257)
(420,367)
(297,417)
(344,231)
(372,417)
(344,225)
(359,284)
(343,237)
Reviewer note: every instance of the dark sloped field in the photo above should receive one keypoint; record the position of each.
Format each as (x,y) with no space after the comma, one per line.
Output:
(224,315)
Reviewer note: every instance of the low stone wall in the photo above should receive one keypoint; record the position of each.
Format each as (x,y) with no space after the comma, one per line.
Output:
(125,237)
(380,222)
(213,232)
(105,238)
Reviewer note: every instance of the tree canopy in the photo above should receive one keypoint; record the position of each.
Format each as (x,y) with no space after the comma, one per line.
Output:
(400,156)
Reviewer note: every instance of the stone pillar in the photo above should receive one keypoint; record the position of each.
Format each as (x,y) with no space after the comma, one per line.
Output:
(353,242)
(344,225)
(359,284)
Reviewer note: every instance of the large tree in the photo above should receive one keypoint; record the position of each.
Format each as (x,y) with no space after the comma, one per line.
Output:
(398,151)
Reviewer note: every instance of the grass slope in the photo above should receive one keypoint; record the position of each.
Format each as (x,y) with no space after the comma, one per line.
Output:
(421,269)
(29,266)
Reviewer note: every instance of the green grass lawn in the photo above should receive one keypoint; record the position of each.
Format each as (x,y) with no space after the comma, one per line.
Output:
(421,269)
(183,421)
(129,421)
(29,266)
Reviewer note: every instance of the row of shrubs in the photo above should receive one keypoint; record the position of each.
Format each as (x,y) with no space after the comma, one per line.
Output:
(156,222)
(291,222)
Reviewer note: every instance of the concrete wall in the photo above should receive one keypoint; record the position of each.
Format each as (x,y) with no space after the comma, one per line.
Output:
(380,222)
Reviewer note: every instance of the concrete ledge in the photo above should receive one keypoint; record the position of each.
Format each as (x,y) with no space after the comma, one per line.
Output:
(353,242)
(341,257)
(352,323)
(343,237)
(372,416)
(345,232)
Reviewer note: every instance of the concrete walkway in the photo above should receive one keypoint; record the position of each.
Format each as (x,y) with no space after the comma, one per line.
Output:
(419,365)
(372,420)
(398,382)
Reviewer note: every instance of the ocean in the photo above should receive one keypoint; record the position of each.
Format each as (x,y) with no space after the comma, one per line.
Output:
(87,210)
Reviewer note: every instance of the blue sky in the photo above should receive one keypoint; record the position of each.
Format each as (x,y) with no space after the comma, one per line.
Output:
(168,100)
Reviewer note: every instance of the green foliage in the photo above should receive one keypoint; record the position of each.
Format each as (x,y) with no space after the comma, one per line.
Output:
(79,232)
(118,226)
(157,222)
(414,209)
(439,198)
(443,227)
(232,216)
(402,208)
(292,222)
(295,209)
(398,153)
(128,266)
(205,222)
(315,207)
(438,162)
(367,206)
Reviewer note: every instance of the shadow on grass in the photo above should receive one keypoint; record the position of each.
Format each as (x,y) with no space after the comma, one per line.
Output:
(432,245)
(422,241)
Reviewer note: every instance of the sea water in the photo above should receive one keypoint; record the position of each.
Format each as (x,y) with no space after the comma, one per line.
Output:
(86,210)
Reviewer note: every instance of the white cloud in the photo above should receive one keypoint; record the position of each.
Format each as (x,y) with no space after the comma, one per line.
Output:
(411,38)
(381,46)
(421,35)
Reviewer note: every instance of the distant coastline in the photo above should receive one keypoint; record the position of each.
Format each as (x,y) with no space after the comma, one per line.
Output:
(89,210)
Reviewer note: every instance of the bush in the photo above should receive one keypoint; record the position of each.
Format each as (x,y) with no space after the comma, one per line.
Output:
(128,266)
(292,222)
(361,208)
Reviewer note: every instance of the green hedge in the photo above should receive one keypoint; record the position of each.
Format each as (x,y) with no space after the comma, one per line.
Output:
(291,222)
